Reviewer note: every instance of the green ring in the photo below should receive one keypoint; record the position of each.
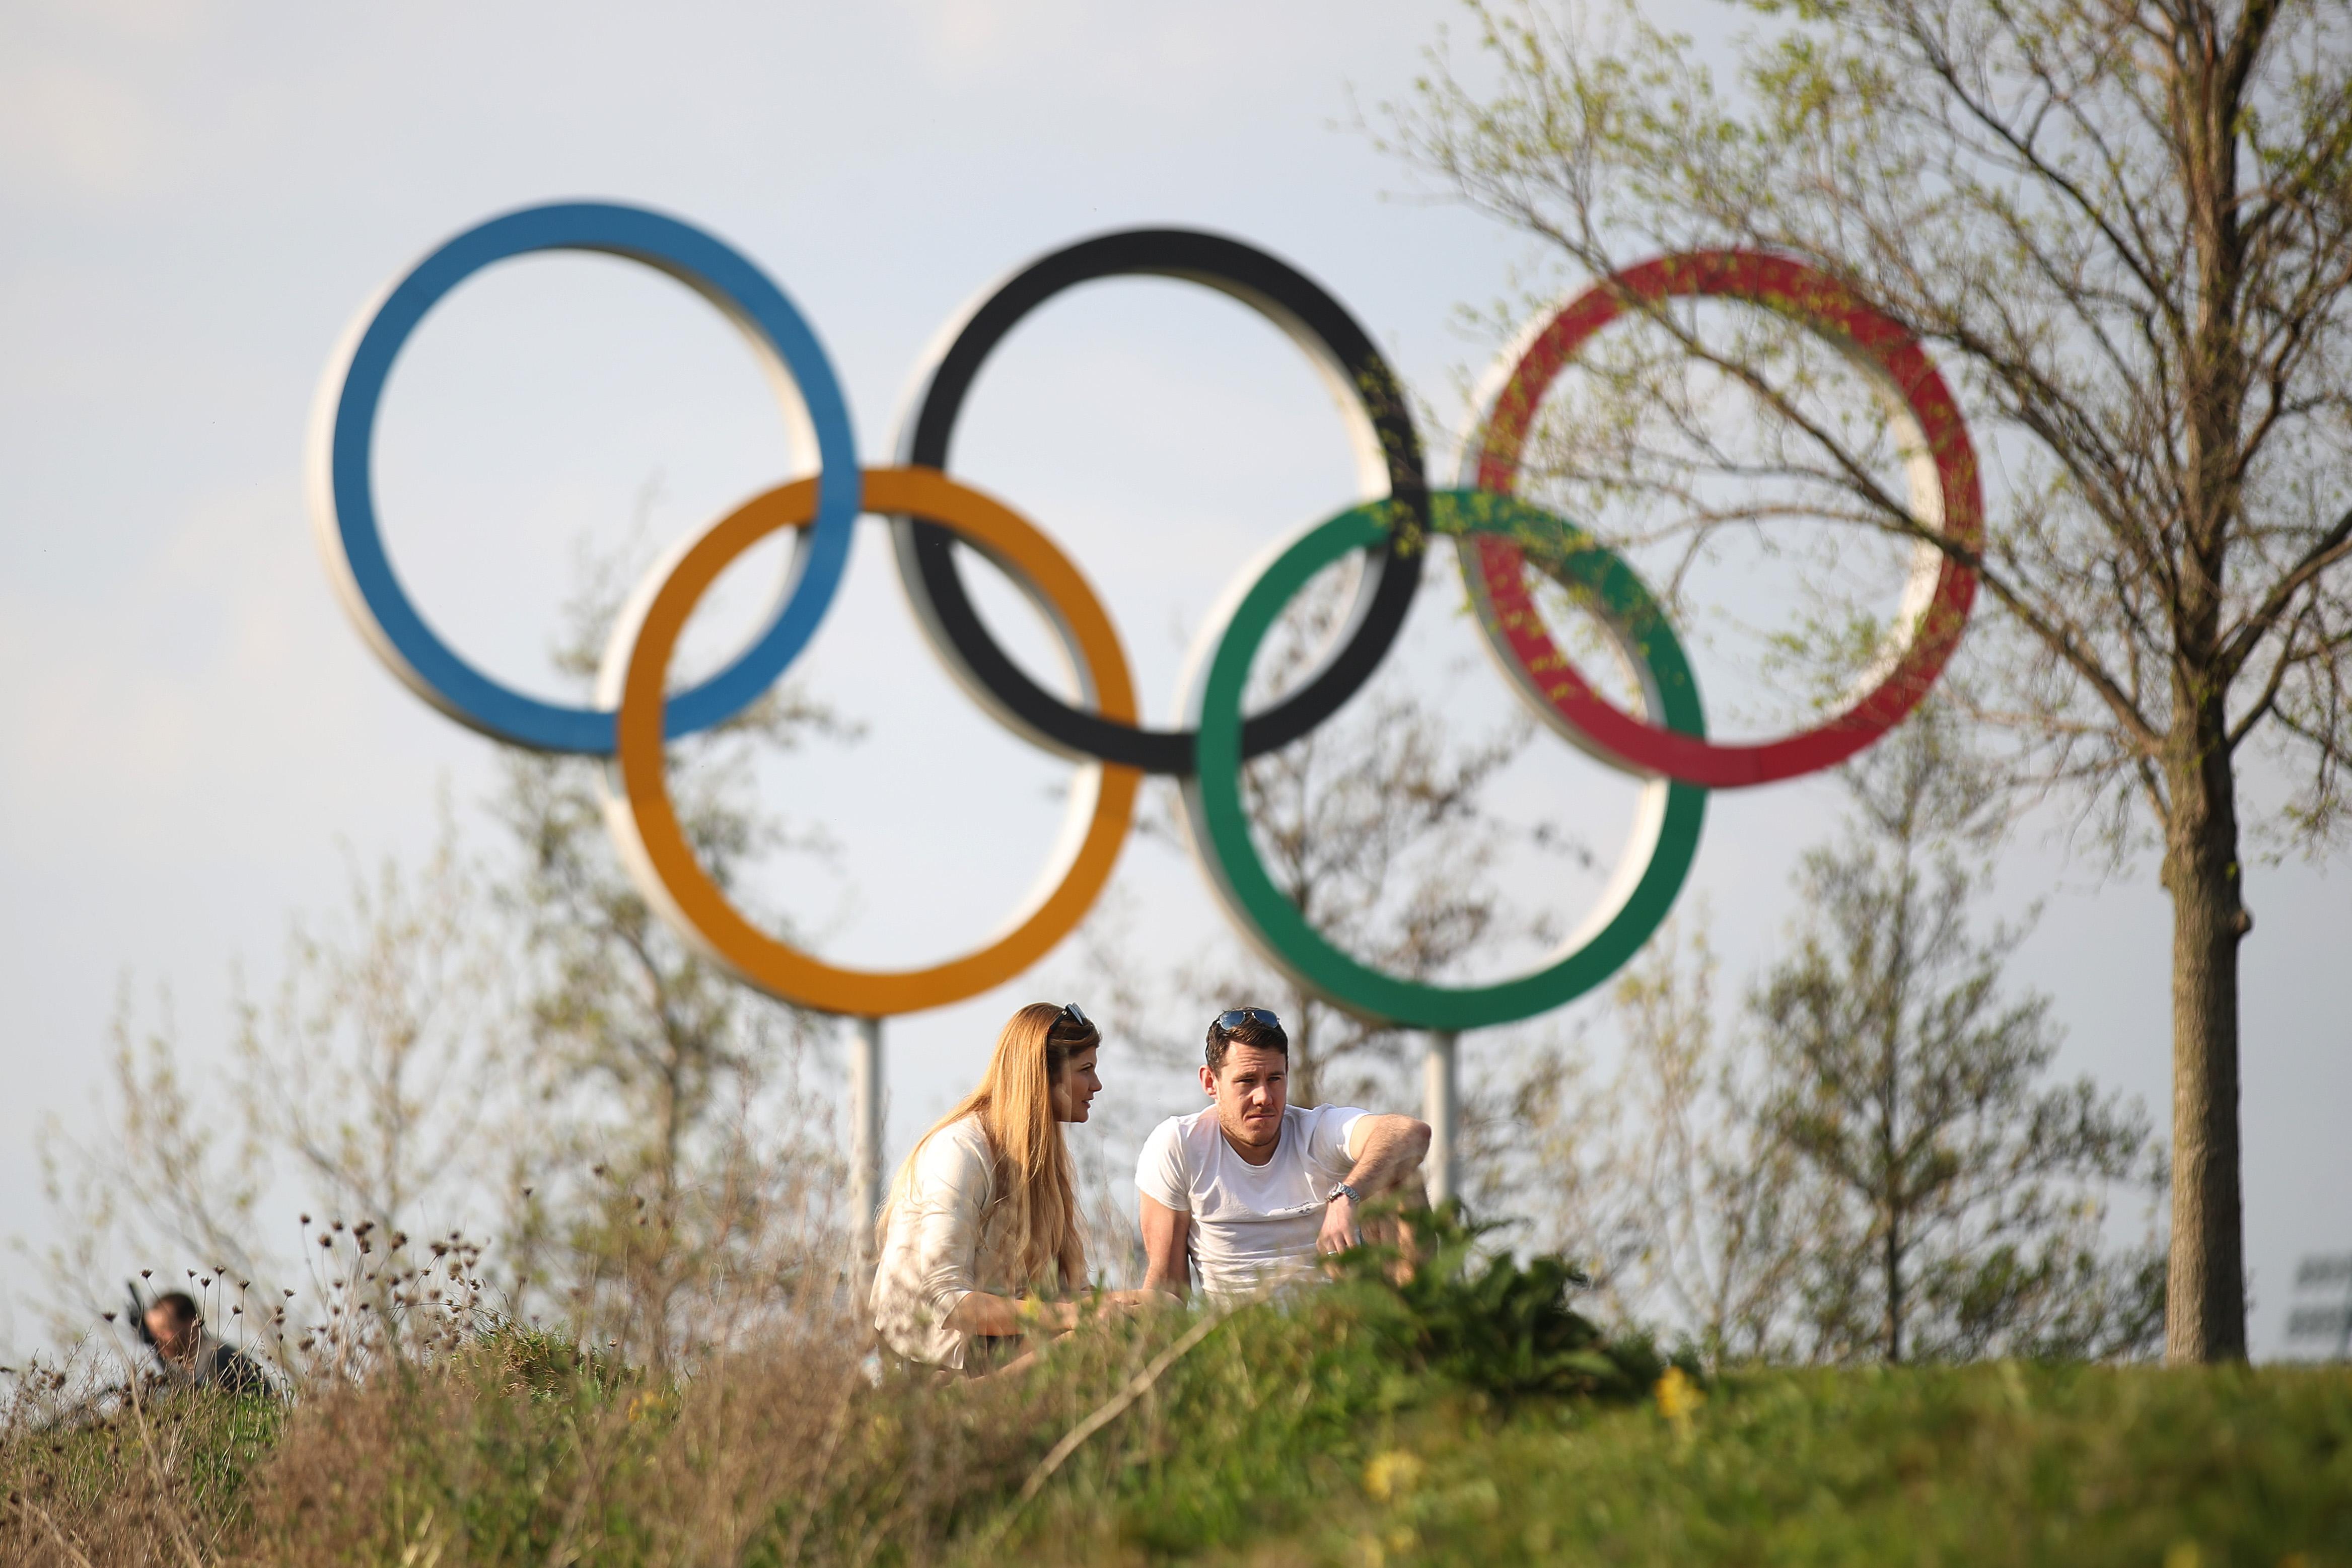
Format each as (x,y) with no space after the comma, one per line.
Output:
(1669,818)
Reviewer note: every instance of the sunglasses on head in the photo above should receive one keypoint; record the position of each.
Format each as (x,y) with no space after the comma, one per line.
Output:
(1076,1015)
(1235,1018)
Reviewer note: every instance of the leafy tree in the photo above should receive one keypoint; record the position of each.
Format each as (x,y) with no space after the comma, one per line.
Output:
(2124,229)
(1959,1209)
(1871,1163)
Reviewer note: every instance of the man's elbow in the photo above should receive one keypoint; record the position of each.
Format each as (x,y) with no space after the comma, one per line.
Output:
(1417,1139)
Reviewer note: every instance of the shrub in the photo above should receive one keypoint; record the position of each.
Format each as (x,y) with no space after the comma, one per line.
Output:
(1491,1321)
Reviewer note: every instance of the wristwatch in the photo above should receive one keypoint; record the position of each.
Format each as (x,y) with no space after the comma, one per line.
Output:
(1343,1190)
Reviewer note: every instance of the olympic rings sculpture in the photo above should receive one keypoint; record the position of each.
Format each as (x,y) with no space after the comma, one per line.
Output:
(1498,537)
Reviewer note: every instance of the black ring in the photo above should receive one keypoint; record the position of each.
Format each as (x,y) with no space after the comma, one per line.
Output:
(1318,323)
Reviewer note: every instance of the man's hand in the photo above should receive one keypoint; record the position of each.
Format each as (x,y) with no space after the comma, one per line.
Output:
(1340,1230)
(1386,1149)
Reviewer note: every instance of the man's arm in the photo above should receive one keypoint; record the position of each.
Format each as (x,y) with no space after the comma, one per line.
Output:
(1165,1232)
(1386,1149)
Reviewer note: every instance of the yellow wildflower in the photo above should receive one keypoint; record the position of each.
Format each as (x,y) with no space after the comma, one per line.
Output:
(1679,1396)
(1391,1474)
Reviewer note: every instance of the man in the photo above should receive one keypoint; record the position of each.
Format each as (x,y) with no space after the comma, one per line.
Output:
(191,1357)
(1246,1195)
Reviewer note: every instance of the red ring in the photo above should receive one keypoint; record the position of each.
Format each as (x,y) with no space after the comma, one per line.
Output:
(1881,348)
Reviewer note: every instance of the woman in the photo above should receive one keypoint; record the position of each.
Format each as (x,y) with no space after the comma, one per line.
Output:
(977,1244)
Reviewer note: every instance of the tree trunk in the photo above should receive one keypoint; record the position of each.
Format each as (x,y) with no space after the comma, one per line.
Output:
(1893,1264)
(2205,1303)
(1306,1067)
(1891,1171)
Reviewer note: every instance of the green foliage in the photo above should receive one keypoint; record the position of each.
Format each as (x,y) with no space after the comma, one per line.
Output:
(1490,1321)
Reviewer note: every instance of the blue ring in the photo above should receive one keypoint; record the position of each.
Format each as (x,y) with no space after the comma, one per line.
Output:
(711,268)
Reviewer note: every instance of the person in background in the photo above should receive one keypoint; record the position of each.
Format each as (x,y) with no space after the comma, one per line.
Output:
(977,1244)
(190,1355)
(1246,1195)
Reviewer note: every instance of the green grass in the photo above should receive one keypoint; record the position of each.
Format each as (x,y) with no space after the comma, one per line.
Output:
(174,1471)
(2001,1464)
(1467,1419)
(1996,1464)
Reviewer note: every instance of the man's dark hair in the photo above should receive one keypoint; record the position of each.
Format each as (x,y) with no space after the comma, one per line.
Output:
(183,1305)
(1248,1032)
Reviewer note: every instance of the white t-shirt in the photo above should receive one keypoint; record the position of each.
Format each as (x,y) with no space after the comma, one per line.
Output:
(1252,1226)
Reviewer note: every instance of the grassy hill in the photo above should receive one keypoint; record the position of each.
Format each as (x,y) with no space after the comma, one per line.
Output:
(1362,1427)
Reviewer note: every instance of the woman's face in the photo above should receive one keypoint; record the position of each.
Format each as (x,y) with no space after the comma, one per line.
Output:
(1077,1086)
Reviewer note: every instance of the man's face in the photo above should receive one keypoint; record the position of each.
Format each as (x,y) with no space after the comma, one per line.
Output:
(1250,1090)
(1078,1086)
(173,1337)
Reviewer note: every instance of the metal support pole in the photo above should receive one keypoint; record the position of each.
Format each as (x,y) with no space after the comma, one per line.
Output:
(1441,1102)
(864,1140)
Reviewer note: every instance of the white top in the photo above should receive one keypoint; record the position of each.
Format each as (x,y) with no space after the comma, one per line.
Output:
(941,1243)
(1252,1226)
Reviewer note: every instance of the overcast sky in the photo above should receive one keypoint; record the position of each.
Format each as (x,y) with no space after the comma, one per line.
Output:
(194,199)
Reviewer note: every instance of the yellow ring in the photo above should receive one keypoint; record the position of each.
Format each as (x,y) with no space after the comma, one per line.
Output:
(645,823)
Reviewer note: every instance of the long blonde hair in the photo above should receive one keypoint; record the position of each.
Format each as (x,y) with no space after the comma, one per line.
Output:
(1033,1192)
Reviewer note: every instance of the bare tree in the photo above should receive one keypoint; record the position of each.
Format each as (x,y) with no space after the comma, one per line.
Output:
(381,1068)
(1372,827)
(1714,1211)
(523,1045)
(669,1147)
(2124,228)
(172,1178)
(1375,826)
(365,1093)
